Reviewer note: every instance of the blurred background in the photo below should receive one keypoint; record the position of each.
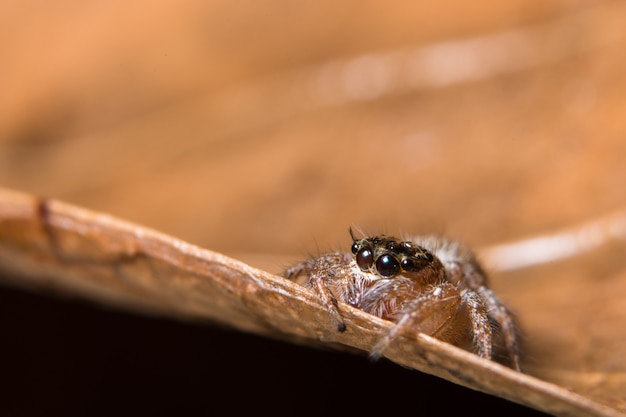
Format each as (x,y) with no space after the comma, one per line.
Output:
(263,130)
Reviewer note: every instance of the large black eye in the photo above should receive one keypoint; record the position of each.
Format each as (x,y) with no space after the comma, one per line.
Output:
(365,259)
(387,266)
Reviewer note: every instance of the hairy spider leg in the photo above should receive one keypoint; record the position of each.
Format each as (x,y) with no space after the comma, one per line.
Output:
(481,329)
(420,310)
(317,281)
(504,318)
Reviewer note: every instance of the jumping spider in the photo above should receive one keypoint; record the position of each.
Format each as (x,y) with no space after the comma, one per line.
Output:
(429,285)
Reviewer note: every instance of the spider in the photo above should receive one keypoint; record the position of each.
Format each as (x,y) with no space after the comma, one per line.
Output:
(430,285)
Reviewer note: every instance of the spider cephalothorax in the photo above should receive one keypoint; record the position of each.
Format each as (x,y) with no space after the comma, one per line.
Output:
(386,257)
(428,284)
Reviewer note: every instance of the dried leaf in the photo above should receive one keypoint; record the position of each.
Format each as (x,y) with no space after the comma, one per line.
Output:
(495,123)
(46,244)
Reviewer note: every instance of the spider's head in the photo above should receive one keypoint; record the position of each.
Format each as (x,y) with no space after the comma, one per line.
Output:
(388,257)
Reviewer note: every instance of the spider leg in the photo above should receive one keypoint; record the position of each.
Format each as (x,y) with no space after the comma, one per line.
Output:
(424,314)
(318,284)
(319,272)
(503,316)
(302,267)
(481,329)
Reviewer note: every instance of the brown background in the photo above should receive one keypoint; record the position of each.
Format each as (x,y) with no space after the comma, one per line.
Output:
(264,129)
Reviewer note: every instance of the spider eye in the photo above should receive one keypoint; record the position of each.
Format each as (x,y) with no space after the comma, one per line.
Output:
(408,265)
(365,259)
(392,246)
(387,266)
(355,248)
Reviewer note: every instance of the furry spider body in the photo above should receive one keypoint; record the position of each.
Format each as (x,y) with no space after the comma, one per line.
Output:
(429,285)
